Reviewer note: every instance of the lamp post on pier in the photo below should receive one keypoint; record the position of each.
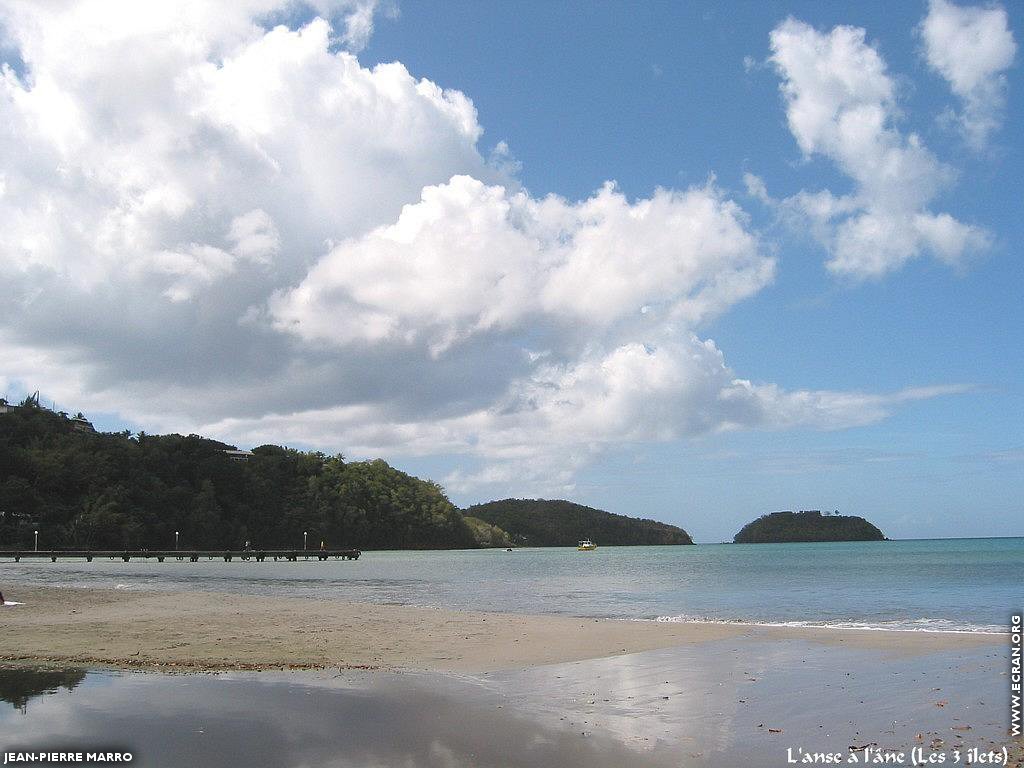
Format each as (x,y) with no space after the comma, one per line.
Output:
(36,545)
(304,535)
(175,541)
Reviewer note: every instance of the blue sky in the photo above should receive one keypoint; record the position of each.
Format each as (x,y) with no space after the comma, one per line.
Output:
(887,387)
(660,96)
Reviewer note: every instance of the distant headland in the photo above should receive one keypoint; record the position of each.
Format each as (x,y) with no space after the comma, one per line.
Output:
(558,523)
(805,526)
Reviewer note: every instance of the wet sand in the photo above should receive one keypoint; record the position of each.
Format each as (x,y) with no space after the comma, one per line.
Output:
(716,704)
(394,685)
(216,631)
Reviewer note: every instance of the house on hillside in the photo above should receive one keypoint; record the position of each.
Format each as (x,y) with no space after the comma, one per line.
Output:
(82,424)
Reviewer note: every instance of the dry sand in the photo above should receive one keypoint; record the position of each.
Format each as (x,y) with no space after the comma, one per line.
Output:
(215,631)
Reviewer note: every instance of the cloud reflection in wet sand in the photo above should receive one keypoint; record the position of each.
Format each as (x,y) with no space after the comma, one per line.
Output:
(202,720)
(738,701)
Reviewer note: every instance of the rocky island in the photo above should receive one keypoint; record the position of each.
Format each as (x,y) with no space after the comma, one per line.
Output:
(807,526)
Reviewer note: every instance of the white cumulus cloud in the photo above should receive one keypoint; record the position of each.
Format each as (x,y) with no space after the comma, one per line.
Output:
(841,104)
(560,416)
(248,233)
(469,259)
(971,47)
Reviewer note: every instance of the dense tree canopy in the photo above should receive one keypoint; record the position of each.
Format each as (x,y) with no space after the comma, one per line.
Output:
(85,489)
(541,523)
(488,535)
(90,490)
(807,526)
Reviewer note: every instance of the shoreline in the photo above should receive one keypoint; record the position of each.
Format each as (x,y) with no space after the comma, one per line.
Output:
(839,627)
(215,631)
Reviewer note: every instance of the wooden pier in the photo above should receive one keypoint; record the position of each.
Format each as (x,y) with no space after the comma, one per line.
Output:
(193,556)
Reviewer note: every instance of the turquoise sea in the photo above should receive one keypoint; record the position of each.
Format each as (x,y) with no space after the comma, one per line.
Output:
(942,584)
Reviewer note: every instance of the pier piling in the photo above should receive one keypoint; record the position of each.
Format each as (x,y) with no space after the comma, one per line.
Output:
(288,555)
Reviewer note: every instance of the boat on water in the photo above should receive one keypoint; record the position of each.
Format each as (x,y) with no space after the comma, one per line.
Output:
(586,545)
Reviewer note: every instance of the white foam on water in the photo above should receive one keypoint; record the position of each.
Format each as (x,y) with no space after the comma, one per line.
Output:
(906,625)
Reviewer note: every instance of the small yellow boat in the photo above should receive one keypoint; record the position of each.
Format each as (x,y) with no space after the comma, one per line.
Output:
(586,546)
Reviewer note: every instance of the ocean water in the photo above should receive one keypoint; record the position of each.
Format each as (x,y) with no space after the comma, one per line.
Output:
(943,584)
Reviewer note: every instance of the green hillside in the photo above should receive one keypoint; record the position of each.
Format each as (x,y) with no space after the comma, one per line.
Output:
(540,523)
(80,488)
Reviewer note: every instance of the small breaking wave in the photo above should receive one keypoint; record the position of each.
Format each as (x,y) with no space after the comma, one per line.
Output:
(896,625)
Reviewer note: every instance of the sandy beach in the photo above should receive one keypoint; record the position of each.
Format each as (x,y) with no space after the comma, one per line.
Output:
(472,688)
(215,631)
